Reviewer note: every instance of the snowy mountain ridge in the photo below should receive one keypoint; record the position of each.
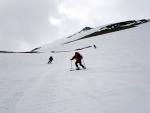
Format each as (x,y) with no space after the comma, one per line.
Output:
(89,32)
(115,26)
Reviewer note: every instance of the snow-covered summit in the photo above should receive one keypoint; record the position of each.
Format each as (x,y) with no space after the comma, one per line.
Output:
(86,29)
(89,32)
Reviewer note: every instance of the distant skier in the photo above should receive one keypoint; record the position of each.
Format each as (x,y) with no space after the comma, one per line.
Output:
(78,57)
(50,59)
(94,46)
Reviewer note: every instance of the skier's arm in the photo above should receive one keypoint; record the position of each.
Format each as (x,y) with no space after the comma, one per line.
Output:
(72,58)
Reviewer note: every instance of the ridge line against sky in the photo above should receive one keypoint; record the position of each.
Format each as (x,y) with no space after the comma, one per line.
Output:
(28,24)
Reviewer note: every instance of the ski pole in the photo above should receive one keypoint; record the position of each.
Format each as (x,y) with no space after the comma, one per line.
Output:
(83,63)
(71,64)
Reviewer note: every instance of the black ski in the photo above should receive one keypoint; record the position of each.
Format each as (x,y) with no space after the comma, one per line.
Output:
(76,69)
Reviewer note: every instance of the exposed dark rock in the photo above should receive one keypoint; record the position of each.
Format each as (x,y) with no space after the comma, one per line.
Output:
(112,28)
(86,29)
(35,49)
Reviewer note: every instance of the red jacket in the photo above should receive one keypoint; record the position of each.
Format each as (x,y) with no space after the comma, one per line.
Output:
(77,57)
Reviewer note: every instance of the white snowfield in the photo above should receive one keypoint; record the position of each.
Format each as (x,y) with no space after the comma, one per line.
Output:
(117,78)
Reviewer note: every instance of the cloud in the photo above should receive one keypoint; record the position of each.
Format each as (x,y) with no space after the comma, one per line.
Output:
(27,24)
(26,21)
(134,9)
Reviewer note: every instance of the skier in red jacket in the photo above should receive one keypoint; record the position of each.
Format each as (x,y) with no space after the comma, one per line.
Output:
(78,57)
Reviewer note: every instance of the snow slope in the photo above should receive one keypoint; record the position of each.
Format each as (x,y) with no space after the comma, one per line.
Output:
(116,79)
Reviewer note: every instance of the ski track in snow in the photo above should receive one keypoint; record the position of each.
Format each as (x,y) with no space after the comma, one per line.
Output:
(116,79)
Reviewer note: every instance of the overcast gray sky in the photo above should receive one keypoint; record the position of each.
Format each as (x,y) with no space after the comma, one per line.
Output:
(27,24)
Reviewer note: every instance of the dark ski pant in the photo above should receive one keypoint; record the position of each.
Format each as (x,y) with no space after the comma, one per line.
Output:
(50,61)
(76,63)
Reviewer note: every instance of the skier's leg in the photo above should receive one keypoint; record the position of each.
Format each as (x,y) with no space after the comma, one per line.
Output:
(81,64)
(50,61)
(76,63)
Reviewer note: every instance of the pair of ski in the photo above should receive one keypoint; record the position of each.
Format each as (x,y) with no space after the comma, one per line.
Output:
(76,69)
